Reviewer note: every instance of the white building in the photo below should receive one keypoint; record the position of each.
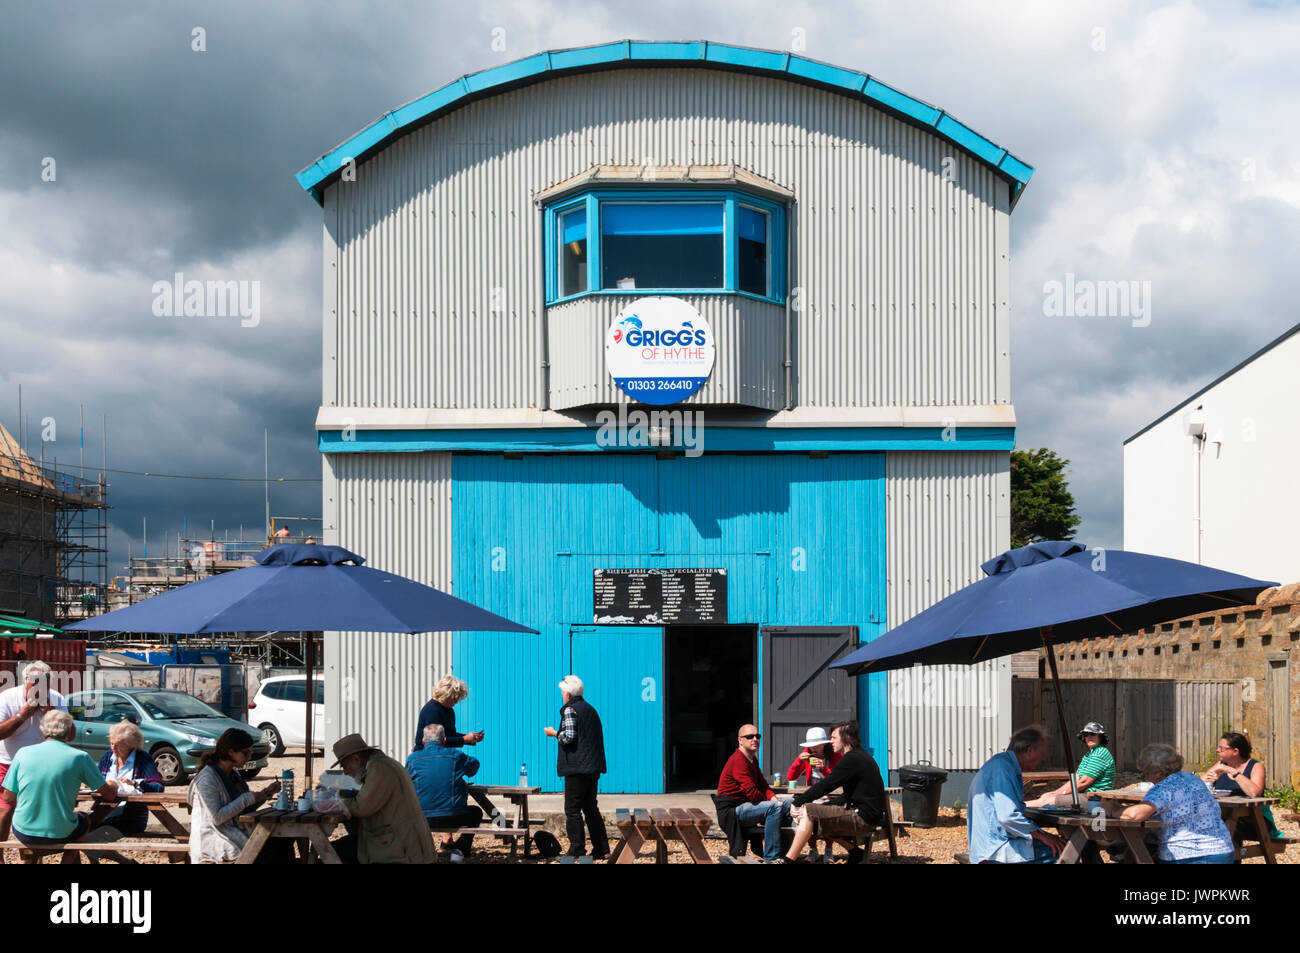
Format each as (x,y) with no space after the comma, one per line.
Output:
(1210,480)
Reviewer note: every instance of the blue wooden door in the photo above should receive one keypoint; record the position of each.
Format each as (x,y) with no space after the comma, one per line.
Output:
(621,668)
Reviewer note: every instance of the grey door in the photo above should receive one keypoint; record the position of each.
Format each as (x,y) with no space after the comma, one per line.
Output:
(1279,719)
(800,691)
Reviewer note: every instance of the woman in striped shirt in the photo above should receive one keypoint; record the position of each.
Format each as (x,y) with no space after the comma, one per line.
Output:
(1096,768)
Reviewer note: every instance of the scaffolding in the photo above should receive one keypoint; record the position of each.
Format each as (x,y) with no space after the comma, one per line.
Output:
(195,558)
(53,539)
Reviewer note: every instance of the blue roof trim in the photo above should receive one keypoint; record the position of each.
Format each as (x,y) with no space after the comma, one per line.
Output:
(715,440)
(645,53)
(901,102)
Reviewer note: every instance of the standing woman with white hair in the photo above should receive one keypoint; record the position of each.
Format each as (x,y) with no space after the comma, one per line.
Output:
(449,692)
(581,762)
(127,763)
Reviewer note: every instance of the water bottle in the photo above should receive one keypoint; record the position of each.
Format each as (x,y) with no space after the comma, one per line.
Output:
(523,775)
(285,799)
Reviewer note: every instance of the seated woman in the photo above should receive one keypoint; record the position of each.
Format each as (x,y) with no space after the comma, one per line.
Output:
(816,760)
(1192,829)
(127,763)
(1096,768)
(1240,775)
(218,795)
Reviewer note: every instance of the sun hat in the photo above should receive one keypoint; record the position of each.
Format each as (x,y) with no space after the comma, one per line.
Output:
(1094,728)
(815,737)
(350,745)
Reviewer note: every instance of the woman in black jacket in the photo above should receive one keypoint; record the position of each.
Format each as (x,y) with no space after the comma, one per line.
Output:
(449,691)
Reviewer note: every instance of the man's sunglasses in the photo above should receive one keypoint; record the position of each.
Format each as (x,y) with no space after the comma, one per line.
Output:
(750,737)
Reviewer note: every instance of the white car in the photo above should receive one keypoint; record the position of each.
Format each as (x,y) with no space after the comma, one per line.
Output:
(280,709)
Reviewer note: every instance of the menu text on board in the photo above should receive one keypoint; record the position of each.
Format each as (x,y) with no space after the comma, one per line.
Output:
(659,596)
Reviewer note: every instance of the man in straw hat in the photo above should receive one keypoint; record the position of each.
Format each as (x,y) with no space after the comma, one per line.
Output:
(388,825)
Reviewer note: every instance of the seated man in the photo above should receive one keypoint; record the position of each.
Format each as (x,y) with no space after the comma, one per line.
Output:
(388,825)
(864,797)
(439,775)
(997,830)
(743,787)
(43,781)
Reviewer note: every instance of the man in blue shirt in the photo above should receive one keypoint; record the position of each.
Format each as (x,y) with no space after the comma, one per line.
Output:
(439,775)
(997,830)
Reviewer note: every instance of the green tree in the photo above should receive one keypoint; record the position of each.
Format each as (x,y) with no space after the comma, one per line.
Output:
(1042,506)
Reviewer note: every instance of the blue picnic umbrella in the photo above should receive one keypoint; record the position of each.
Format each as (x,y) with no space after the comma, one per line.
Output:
(1052,591)
(302,587)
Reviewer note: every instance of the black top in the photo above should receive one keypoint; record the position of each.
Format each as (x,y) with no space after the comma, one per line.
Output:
(1225,783)
(858,775)
(586,753)
(435,713)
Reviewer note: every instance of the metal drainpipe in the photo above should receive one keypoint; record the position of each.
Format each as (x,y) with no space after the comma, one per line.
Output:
(789,282)
(545,402)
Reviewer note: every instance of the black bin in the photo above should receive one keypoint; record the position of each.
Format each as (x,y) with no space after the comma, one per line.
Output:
(922,783)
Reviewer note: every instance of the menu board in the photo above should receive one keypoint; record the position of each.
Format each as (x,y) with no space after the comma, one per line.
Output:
(659,596)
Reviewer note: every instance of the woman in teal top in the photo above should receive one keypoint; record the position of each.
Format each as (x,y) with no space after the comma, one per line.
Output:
(1096,768)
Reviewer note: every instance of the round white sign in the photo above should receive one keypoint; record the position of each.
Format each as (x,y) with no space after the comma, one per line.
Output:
(659,350)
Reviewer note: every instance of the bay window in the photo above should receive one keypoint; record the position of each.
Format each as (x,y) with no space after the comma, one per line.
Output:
(667,241)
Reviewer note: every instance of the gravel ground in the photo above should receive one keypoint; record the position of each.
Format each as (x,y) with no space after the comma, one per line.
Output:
(936,845)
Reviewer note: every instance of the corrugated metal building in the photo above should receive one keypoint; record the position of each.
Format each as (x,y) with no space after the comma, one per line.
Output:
(853,266)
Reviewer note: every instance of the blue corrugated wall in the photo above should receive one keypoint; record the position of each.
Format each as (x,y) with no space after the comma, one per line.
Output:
(802,540)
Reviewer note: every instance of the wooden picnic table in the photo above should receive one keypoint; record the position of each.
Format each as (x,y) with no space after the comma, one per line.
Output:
(1078,829)
(312,825)
(638,827)
(515,827)
(159,804)
(1233,809)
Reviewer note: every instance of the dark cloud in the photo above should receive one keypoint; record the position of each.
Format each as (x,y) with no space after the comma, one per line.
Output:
(174,160)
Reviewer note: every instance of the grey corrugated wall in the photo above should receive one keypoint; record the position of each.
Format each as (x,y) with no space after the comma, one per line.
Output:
(947,513)
(395,510)
(902,241)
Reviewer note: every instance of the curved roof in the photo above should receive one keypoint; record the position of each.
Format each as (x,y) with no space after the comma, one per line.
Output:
(640,54)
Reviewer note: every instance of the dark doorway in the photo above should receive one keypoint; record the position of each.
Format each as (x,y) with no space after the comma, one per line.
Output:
(712,689)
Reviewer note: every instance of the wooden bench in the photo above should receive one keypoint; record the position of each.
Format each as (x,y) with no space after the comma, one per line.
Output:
(639,827)
(175,852)
(511,834)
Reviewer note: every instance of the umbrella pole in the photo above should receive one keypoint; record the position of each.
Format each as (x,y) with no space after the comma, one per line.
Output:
(311,700)
(1045,634)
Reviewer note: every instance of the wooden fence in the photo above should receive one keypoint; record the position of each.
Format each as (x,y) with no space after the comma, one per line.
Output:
(1135,713)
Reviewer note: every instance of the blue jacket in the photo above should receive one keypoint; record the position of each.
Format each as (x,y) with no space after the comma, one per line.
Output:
(996,826)
(144,775)
(439,776)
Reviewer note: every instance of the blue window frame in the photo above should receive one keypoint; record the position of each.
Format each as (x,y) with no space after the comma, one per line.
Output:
(626,241)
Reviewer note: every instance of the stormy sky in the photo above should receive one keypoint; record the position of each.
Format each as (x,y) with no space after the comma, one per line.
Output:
(1161,133)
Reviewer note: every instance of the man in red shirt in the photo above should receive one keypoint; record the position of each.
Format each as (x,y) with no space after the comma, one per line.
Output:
(742,782)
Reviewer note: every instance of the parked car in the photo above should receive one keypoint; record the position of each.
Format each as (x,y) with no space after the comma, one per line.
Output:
(280,709)
(178,728)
